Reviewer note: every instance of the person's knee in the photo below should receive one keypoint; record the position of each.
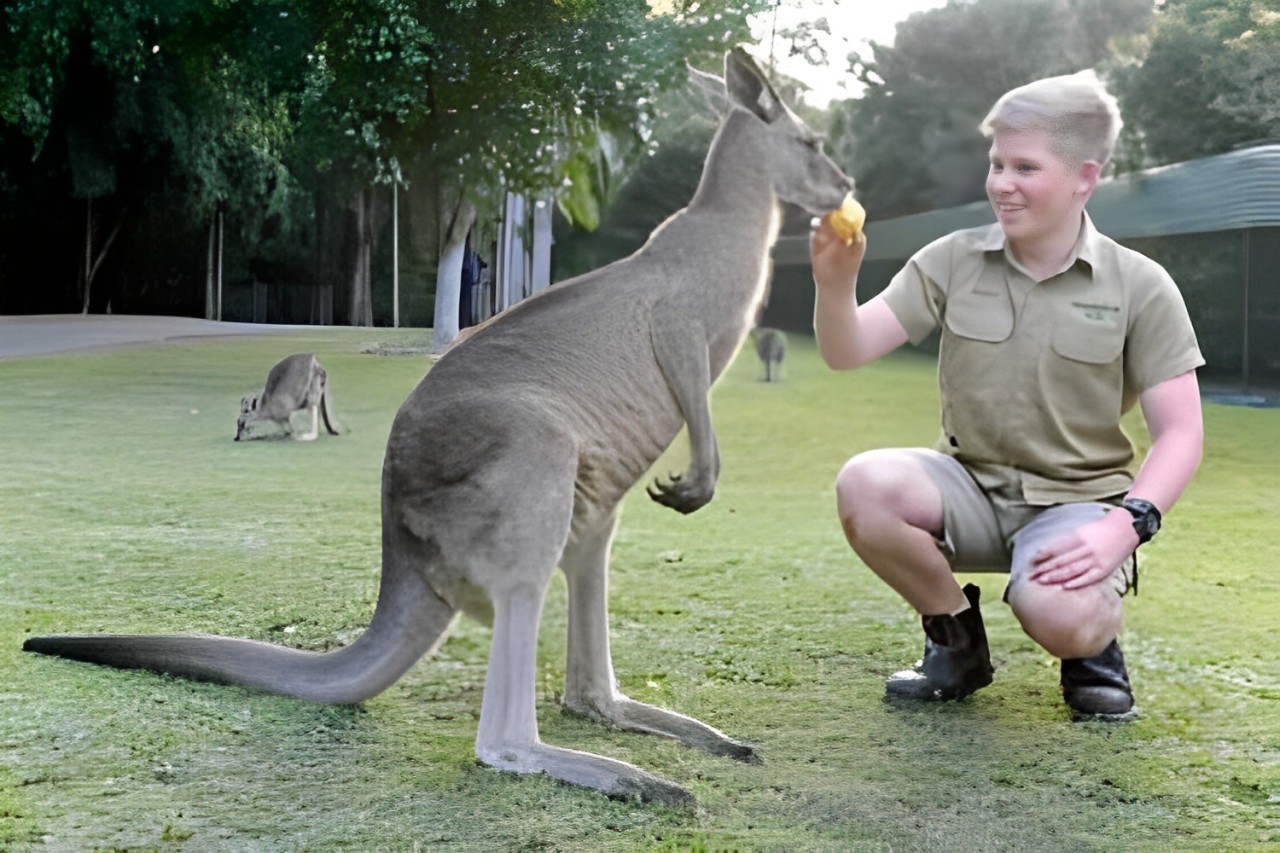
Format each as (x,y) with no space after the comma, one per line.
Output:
(870,482)
(854,485)
(1067,623)
(881,490)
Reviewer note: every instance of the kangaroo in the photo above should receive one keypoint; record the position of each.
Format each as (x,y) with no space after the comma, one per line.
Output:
(512,458)
(296,382)
(771,347)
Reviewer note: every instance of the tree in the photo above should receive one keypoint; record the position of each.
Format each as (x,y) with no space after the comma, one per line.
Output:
(465,100)
(154,110)
(1205,79)
(552,101)
(912,138)
(289,117)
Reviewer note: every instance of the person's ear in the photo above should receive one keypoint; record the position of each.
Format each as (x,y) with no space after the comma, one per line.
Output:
(1089,174)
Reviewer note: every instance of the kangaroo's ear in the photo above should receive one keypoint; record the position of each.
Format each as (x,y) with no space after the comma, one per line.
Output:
(749,88)
(707,82)
(711,86)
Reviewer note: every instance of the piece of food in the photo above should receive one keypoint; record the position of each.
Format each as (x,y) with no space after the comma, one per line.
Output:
(847,220)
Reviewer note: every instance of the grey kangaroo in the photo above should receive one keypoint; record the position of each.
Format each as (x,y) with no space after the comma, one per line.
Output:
(295,383)
(512,458)
(771,347)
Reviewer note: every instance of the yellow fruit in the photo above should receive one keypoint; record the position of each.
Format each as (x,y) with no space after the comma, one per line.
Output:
(847,220)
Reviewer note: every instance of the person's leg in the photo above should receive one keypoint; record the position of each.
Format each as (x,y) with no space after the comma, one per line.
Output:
(1068,623)
(892,514)
(905,512)
(1079,626)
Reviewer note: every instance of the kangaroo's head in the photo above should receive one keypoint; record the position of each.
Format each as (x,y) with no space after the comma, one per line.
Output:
(248,405)
(802,174)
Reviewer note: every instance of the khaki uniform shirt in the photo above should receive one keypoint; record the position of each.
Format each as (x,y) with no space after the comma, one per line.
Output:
(1034,377)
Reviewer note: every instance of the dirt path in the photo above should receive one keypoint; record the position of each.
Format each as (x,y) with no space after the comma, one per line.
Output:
(46,334)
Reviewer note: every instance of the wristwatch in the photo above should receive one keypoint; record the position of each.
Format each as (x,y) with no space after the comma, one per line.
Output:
(1146,518)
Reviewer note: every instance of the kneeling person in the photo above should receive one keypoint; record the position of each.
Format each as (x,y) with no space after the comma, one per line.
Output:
(1050,331)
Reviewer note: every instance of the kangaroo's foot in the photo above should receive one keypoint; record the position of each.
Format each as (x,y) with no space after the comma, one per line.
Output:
(615,778)
(627,713)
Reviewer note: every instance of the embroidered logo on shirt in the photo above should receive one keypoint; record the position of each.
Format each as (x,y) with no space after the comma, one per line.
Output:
(1102,314)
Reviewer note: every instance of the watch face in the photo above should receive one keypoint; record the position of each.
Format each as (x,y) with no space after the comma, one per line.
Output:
(1146,518)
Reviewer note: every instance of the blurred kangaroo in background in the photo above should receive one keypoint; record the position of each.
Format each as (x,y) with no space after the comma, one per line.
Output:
(513,456)
(771,347)
(295,383)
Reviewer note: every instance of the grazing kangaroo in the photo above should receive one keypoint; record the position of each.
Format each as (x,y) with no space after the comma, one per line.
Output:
(771,347)
(513,457)
(295,383)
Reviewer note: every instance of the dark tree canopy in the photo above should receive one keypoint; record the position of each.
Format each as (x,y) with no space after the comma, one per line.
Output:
(143,119)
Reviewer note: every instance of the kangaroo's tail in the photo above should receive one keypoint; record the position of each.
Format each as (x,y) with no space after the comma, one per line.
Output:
(326,407)
(408,621)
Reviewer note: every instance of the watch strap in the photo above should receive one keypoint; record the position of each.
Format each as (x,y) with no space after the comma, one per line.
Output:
(1146,518)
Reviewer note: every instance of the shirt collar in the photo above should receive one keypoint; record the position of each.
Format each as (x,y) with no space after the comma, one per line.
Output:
(1087,246)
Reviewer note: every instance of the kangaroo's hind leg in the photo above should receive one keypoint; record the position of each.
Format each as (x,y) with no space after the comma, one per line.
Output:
(591,687)
(519,553)
(314,432)
(508,735)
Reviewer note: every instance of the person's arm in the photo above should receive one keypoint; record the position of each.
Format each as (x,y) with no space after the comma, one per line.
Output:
(1172,410)
(848,335)
(1090,554)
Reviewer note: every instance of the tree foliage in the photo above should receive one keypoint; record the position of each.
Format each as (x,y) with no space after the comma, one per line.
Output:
(139,106)
(282,113)
(1206,78)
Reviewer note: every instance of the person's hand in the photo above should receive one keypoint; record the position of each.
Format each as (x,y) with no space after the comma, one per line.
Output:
(1087,555)
(835,265)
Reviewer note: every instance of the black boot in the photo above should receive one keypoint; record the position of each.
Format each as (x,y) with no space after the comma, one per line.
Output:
(1097,685)
(956,659)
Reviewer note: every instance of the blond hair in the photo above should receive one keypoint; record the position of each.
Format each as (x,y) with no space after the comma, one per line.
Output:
(1076,111)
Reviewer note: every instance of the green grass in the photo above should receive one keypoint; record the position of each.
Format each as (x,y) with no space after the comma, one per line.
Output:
(125,506)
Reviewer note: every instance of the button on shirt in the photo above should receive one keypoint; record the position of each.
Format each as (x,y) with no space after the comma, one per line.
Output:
(1034,376)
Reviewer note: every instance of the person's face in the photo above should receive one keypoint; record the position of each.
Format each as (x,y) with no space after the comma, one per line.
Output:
(1035,194)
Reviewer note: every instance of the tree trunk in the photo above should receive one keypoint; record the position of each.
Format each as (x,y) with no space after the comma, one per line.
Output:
(208,268)
(218,256)
(362,266)
(93,264)
(330,243)
(87,282)
(395,255)
(455,225)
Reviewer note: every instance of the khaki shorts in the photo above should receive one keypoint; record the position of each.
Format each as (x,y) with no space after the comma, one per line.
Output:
(999,532)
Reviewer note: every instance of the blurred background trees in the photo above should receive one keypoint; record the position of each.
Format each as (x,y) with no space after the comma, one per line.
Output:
(1203,79)
(147,143)
(151,147)
(1194,78)
(912,138)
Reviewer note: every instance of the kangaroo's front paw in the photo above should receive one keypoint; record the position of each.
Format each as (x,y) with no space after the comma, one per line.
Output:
(680,494)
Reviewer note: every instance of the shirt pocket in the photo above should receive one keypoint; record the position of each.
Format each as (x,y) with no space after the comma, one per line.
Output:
(1089,333)
(982,314)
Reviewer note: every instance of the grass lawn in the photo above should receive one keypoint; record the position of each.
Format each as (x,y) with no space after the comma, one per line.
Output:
(126,506)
